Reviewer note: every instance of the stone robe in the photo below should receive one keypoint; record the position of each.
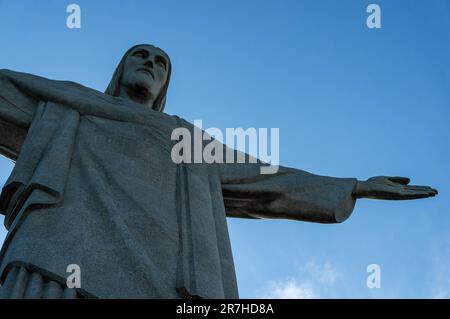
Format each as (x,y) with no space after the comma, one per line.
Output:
(94,185)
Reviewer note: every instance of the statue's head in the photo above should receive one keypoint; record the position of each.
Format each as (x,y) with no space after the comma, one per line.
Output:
(142,75)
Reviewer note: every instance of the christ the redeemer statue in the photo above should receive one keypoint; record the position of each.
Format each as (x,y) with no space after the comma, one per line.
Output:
(94,185)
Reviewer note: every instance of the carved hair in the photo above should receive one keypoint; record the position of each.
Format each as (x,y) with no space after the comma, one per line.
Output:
(114,86)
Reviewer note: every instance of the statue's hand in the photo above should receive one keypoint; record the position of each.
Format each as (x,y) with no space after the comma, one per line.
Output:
(393,188)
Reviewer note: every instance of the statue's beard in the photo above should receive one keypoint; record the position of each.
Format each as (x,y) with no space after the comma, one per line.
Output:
(139,92)
(142,91)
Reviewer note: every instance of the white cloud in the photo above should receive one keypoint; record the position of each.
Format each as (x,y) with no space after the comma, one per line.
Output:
(311,279)
(440,286)
(323,274)
(290,289)
(438,273)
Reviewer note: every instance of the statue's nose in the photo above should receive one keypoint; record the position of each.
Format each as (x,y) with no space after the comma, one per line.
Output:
(149,64)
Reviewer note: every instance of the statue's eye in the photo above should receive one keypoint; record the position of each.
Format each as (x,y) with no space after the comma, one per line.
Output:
(161,63)
(140,54)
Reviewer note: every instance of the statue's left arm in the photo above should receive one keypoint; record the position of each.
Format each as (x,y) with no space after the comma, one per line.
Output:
(295,194)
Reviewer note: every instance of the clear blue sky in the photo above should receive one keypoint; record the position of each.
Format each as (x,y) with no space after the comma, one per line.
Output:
(349,102)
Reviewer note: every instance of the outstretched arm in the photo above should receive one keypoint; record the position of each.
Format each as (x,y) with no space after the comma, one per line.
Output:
(299,195)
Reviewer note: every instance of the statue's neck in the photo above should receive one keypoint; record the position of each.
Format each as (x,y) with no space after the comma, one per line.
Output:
(137,95)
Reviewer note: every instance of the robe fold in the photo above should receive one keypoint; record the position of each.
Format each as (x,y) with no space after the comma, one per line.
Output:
(94,184)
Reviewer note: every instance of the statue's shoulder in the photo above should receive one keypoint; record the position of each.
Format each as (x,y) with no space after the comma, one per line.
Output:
(39,84)
(51,89)
(29,79)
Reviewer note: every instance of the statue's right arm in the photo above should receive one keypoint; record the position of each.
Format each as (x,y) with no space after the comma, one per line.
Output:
(17,109)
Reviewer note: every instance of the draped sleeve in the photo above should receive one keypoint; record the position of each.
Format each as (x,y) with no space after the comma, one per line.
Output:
(38,133)
(288,194)
(17,108)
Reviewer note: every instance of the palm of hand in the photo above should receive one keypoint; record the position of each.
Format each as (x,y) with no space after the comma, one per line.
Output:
(393,188)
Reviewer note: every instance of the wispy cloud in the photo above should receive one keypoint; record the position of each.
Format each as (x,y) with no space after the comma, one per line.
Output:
(290,289)
(323,274)
(439,272)
(309,282)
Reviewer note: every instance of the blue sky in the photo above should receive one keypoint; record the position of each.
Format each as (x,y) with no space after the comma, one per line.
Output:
(349,102)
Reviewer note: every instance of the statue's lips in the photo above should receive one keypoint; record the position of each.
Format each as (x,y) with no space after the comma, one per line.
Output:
(148,71)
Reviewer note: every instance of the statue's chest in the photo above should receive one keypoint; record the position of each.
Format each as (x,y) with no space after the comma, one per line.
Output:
(137,156)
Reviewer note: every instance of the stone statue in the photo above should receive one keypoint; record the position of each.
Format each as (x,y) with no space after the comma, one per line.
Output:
(94,185)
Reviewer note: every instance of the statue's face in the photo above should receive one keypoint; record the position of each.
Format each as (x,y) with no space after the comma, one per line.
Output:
(145,69)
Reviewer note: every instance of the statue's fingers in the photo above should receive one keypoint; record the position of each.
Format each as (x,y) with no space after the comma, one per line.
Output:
(416,194)
(399,179)
(422,188)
